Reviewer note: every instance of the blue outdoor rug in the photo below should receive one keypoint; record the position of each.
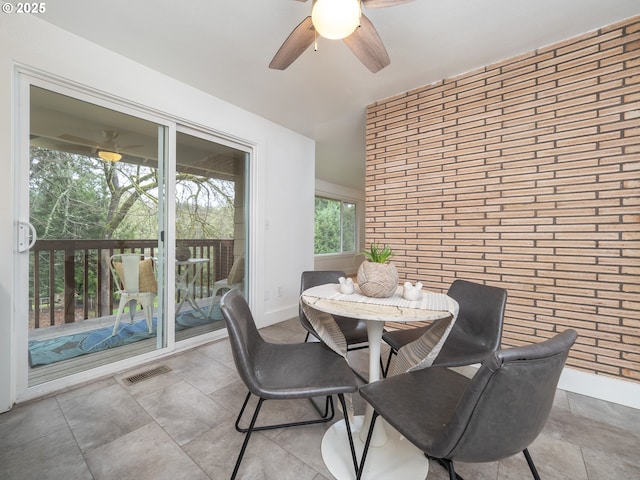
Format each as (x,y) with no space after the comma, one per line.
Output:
(44,352)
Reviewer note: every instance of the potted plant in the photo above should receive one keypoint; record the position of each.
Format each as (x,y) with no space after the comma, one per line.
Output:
(376,276)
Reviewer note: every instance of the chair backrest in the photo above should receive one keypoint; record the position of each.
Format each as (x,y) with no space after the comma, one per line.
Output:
(507,402)
(313,278)
(481,314)
(133,273)
(246,341)
(236,274)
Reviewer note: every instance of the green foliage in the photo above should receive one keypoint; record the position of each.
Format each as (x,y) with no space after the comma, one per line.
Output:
(68,200)
(327,226)
(378,255)
(335,226)
(68,196)
(78,197)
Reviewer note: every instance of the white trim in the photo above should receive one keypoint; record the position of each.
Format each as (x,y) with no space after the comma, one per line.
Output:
(609,389)
(24,78)
(338,192)
(19,339)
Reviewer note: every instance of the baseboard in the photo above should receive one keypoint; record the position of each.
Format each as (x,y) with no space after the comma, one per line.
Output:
(610,389)
(272,317)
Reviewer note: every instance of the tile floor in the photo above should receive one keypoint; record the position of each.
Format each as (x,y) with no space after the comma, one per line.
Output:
(179,425)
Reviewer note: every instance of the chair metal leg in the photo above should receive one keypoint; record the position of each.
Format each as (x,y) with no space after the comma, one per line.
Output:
(327,404)
(385,370)
(448,465)
(366,444)
(452,473)
(244,405)
(119,314)
(133,304)
(349,434)
(532,467)
(323,419)
(148,313)
(247,436)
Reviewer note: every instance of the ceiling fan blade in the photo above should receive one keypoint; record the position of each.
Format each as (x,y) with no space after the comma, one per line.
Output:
(365,43)
(77,149)
(78,140)
(383,3)
(296,43)
(53,144)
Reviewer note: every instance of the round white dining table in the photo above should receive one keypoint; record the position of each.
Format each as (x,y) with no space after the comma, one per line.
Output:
(390,457)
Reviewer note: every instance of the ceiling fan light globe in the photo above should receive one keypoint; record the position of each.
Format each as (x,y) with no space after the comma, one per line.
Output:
(335,19)
(108,156)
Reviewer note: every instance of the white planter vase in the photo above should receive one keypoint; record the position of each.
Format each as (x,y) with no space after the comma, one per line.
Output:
(378,280)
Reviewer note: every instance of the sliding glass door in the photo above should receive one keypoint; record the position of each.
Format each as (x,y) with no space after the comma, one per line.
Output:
(210,226)
(112,194)
(96,213)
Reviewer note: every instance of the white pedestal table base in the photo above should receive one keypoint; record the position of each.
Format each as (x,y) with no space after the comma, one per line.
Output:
(397,459)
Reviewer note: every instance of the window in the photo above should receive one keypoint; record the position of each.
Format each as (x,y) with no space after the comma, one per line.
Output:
(335,226)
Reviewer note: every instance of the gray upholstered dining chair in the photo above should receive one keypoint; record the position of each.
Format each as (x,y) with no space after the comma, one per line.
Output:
(476,333)
(354,330)
(283,371)
(494,415)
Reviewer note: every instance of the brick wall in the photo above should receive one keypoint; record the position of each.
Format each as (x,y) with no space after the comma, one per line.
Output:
(526,175)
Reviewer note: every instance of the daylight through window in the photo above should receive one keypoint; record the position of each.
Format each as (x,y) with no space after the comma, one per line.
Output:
(335,226)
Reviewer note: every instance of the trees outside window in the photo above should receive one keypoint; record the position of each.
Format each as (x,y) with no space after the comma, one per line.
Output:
(77,197)
(335,226)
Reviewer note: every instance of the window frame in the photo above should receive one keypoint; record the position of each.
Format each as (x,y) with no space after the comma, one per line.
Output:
(356,235)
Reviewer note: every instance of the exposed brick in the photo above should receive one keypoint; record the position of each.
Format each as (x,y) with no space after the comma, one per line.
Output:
(524,174)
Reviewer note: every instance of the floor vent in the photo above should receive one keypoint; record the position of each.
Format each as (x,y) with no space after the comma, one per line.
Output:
(139,377)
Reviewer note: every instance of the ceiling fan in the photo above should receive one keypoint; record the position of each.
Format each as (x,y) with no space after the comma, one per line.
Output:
(107,150)
(364,42)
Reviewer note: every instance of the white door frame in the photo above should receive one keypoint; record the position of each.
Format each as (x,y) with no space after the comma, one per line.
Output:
(14,334)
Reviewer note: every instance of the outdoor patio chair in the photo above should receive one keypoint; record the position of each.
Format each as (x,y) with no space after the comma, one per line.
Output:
(476,333)
(135,277)
(494,415)
(283,371)
(235,279)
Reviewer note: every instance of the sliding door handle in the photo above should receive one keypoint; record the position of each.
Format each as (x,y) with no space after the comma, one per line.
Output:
(26,230)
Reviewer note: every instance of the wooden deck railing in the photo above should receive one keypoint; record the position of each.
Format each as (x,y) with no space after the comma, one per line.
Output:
(71,280)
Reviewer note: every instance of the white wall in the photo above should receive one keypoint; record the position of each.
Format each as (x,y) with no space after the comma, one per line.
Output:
(282,226)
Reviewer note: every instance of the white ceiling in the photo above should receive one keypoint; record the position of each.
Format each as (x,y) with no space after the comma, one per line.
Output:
(224,47)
